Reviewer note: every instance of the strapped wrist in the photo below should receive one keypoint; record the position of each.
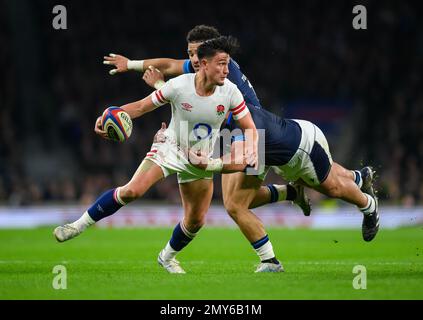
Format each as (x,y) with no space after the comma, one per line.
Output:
(137,65)
(158,84)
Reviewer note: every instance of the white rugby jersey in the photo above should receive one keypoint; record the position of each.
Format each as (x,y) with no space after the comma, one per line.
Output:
(196,120)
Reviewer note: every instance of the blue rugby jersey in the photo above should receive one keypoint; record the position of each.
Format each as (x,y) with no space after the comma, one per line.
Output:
(283,136)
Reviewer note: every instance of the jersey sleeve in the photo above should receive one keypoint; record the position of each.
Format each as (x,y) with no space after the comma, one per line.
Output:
(188,67)
(238,107)
(164,95)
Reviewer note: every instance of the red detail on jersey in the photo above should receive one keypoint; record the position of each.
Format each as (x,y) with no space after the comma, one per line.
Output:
(238,112)
(159,96)
(239,109)
(186,106)
(151,153)
(236,109)
(220,109)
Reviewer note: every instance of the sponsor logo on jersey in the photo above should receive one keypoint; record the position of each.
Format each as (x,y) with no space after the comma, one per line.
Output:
(186,106)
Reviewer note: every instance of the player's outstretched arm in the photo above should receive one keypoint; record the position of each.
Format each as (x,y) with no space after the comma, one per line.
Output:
(138,108)
(169,67)
(135,109)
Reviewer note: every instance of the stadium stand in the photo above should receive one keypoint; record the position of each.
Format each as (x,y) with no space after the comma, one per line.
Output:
(54,86)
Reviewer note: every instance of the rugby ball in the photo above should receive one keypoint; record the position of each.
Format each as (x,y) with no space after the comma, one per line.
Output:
(117,123)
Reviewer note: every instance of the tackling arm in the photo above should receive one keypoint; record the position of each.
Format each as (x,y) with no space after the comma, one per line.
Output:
(233,162)
(242,153)
(169,67)
(251,139)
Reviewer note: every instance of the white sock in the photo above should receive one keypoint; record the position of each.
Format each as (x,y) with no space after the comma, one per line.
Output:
(265,252)
(282,192)
(169,252)
(84,222)
(371,205)
(277,192)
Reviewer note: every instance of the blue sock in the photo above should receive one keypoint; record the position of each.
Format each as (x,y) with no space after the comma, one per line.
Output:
(261,242)
(274,195)
(104,206)
(179,238)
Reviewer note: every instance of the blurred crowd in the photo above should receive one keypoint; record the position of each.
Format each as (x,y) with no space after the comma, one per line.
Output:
(54,86)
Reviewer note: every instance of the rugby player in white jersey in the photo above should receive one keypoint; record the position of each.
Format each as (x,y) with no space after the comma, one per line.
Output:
(240,192)
(199,104)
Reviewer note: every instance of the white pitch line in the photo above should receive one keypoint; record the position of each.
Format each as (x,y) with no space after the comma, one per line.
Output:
(72,261)
(353,263)
(202,262)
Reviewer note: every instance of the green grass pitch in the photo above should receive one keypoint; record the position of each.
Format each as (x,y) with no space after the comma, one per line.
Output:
(220,263)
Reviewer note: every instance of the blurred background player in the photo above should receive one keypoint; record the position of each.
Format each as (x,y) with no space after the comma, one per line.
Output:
(203,91)
(240,192)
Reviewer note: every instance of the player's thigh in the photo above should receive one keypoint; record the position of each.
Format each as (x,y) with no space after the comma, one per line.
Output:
(196,197)
(239,189)
(147,174)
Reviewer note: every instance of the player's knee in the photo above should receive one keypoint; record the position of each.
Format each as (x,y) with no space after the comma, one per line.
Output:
(129,193)
(194,223)
(234,209)
(226,201)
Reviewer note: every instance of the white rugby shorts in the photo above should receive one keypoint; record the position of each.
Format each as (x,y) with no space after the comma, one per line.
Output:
(312,161)
(172,160)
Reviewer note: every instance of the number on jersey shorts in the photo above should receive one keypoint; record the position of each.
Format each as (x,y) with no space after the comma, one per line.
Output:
(312,161)
(172,160)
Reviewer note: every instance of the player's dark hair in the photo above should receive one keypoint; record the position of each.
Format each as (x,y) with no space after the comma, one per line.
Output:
(202,33)
(225,44)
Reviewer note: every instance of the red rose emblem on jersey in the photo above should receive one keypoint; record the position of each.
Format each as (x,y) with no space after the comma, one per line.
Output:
(220,109)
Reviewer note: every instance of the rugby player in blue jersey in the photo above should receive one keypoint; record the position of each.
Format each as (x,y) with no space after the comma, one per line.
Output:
(283,138)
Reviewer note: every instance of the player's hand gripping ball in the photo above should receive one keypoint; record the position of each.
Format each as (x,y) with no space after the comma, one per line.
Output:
(117,123)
